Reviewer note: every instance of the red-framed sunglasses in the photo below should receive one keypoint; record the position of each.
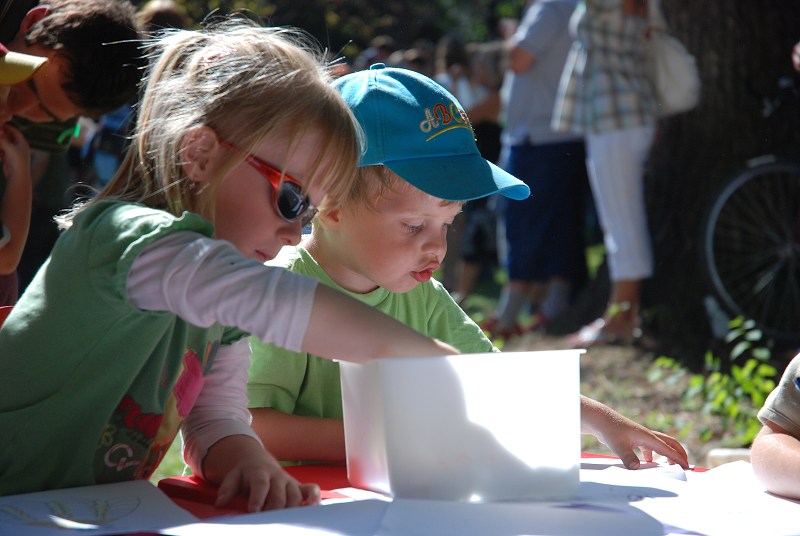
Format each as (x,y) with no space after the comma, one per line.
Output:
(287,193)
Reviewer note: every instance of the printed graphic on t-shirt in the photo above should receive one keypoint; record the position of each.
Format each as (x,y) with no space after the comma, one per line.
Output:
(135,441)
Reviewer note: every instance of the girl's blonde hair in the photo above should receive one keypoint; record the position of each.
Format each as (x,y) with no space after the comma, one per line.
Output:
(249,84)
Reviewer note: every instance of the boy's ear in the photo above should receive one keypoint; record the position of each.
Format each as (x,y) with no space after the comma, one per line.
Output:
(32,17)
(198,149)
(331,217)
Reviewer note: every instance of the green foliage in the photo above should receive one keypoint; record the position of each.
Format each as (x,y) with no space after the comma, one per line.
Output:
(733,389)
(346,27)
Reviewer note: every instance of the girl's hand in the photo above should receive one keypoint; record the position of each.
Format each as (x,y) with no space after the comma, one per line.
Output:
(267,486)
(242,466)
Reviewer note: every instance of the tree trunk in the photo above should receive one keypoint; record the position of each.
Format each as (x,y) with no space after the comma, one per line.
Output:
(742,47)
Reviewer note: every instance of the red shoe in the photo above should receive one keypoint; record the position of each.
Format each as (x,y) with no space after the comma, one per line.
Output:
(493,331)
(539,324)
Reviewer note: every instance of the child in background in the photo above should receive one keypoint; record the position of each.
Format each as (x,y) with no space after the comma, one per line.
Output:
(15,208)
(137,324)
(381,244)
(17,187)
(775,453)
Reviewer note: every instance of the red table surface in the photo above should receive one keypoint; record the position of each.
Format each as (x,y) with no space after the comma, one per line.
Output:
(198,496)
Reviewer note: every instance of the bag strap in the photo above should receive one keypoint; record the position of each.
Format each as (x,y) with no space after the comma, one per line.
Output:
(655,17)
(634,8)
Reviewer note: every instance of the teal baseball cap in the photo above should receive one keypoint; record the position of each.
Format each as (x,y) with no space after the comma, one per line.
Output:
(416,128)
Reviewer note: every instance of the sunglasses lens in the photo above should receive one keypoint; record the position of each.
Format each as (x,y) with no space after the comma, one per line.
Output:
(292,204)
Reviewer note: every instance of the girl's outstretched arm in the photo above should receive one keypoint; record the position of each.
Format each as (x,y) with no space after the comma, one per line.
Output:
(205,281)
(343,328)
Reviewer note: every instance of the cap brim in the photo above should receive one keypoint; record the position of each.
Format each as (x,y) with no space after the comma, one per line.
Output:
(16,67)
(459,177)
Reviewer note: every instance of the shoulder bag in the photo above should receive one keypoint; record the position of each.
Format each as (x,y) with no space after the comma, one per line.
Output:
(673,70)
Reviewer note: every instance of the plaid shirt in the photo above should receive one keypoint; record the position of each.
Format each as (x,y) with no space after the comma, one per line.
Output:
(605,85)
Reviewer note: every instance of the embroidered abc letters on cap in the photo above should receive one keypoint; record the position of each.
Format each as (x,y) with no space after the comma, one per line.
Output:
(443,118)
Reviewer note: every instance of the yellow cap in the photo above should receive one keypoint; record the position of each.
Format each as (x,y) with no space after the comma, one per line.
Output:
(16,67)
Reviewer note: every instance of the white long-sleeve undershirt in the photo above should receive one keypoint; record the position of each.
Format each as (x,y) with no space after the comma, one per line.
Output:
(204,281)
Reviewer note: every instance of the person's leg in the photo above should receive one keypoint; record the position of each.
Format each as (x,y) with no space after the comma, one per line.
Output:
(479,248)
(468,274)
(449,269)
(513,297)
(616,164)
(555,298)
(523,237)
(564,252)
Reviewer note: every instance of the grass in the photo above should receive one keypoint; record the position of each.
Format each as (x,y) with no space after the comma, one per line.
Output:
(171,465)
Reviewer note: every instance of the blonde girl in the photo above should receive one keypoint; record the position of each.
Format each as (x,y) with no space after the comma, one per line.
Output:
(136,325)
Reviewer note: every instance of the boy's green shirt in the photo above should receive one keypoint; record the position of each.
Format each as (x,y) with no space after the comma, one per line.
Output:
(304,384)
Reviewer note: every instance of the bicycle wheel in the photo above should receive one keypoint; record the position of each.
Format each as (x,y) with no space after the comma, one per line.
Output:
(751,245)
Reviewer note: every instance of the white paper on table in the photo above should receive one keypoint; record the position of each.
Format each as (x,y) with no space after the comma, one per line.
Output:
(726,501)
(615,483)
(357,518)
(131,506)
(435,518)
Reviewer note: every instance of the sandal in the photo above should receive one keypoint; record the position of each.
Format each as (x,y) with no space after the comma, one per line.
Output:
(619,325)
(493,331)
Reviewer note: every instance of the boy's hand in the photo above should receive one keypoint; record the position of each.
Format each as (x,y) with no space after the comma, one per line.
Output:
(627,435)
(622,436)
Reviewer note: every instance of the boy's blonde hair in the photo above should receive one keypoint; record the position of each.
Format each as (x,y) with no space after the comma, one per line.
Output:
(370,185)
(249,84)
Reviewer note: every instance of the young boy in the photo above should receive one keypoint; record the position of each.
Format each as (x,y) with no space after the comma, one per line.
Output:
(775,454)
(381,244)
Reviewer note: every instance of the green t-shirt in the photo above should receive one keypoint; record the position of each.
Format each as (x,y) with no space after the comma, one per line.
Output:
(304,384)
(93,389)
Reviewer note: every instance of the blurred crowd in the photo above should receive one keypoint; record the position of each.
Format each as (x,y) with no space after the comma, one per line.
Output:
(480,76)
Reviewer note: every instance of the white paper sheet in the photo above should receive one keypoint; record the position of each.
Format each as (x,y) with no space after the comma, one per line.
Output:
(726,501)
(342,519)
(113,508)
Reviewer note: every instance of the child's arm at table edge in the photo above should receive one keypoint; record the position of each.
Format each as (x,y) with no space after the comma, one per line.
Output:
(775,457)
(622,435)
(298,437)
